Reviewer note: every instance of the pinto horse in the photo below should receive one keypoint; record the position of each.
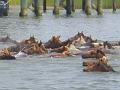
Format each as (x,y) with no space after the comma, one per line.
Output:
(79,40)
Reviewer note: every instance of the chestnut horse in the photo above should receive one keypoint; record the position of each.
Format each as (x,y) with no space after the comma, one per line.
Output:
(99,66)
(5,54)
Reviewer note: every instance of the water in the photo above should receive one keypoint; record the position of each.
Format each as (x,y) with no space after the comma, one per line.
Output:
(35,73)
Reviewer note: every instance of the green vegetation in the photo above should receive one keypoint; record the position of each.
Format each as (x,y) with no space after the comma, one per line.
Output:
(14,2)
(106,3)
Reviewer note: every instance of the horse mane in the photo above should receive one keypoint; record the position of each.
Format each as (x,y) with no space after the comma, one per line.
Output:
(106,43)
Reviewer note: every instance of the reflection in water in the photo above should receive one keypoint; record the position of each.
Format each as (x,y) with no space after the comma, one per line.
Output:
(34,73)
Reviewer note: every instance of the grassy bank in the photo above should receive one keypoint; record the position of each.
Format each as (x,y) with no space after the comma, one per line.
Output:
(106,3)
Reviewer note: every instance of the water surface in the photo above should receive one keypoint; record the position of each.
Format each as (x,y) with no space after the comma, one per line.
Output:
(35,73)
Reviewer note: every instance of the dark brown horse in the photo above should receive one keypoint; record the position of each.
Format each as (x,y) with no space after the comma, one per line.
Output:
(54,42)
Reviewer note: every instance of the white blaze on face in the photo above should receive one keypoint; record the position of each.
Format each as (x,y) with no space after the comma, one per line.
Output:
(104,60)
(81,40)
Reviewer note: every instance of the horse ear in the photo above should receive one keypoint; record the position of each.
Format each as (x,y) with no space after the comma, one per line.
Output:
(82,33)
(8,36)
(53,37)
(96,40)
(90,36)
(33,36)
(58,36)
(78,33)
(119,43)
(68,40)
(40,41)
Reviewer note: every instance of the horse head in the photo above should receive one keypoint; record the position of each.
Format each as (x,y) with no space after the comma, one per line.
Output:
(103,60)
(32,39)
(54,42)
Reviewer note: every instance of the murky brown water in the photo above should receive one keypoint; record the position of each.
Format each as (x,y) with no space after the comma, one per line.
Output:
(35,73)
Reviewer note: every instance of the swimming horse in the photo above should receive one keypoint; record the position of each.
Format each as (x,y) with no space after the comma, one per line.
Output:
(5,54)
(99,65)
(29,46)
(54,42)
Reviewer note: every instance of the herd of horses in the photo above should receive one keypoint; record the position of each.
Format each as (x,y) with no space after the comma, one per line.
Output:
(78,45)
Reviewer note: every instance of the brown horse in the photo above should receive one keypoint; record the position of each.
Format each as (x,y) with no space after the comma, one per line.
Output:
(29,41)
(29,46)
(54,42)
(5,54)
(62,52)
(23,44)
(35,48)
(96,53)
(99,66)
